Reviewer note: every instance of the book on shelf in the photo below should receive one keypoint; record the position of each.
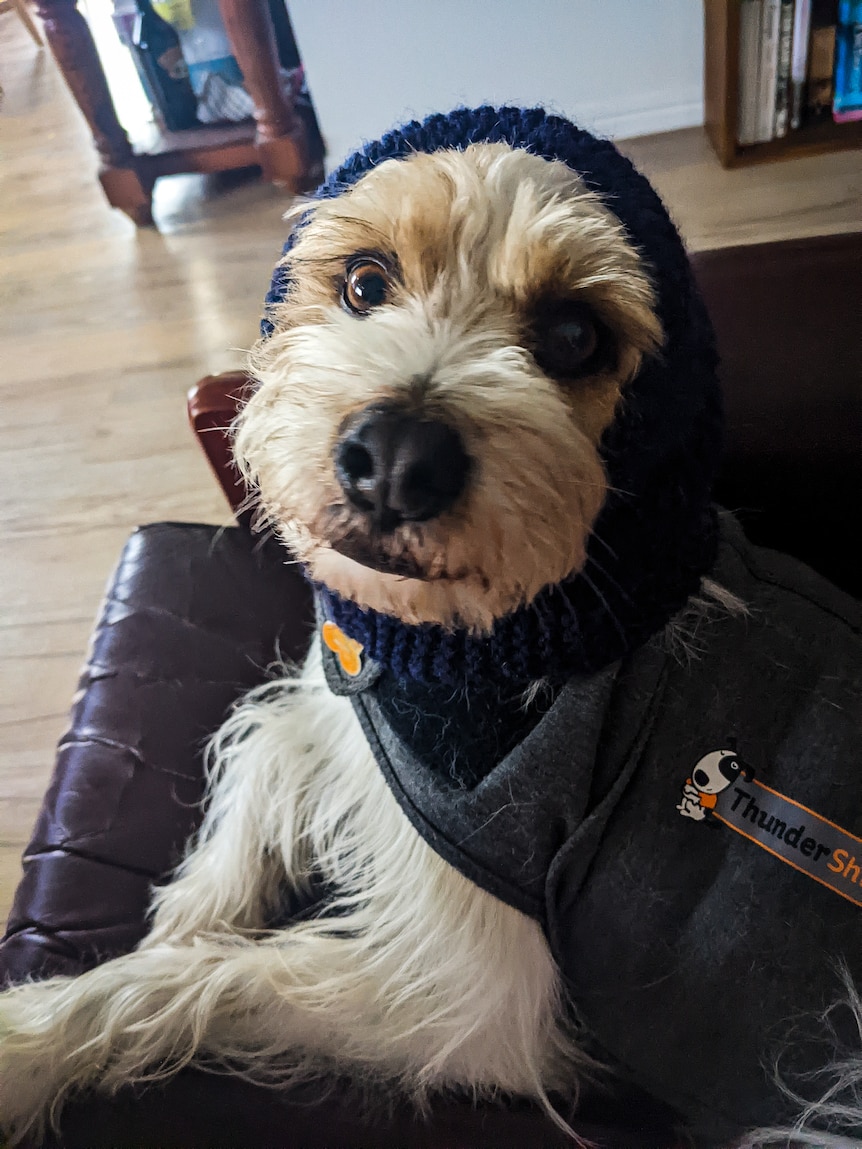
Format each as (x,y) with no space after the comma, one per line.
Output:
(781,117)
(819,87)
(799,59)
(759,34)
(847,102)
(750,18)
(767,71)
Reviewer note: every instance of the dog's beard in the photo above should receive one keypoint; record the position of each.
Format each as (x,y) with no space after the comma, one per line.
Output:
(384,554)
(404,552)
(450,347)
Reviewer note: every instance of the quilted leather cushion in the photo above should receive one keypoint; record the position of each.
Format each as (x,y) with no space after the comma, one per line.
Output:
(192,619)
(201,1111)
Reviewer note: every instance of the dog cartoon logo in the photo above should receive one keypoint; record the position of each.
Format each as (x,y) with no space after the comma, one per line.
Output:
(712,774)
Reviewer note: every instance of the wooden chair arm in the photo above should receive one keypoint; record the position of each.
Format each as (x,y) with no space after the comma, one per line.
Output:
(212,407)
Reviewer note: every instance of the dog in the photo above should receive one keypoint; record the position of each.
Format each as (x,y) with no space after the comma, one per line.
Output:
(485,420)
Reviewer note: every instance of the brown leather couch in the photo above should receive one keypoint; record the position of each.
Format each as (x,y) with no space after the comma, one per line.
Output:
(195,615)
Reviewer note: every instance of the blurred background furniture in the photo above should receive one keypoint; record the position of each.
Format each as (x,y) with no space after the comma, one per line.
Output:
(276,140)
(20,6)
(195,615)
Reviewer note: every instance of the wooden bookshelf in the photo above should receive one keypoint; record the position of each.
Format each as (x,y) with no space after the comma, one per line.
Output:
(721,99)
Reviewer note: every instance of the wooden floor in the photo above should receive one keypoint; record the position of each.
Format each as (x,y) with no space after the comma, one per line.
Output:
(104,328)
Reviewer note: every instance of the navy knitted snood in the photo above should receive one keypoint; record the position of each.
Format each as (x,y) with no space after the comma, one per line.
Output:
(657,534)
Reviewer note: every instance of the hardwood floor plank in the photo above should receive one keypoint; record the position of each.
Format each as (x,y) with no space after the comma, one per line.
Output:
(712,207)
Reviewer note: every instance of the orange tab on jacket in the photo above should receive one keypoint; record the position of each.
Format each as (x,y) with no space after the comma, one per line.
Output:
(347,649)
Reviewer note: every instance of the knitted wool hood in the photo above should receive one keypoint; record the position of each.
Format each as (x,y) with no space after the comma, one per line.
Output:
(656,535)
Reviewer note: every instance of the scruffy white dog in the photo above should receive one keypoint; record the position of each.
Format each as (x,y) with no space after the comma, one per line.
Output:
(485,422)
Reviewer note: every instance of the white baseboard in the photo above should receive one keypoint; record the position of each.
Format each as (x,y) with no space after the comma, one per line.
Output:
(643,121)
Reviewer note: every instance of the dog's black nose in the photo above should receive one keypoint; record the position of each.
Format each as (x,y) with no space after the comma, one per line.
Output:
(399,467)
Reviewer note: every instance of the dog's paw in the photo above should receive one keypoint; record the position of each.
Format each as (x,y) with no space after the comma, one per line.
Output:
(29,1084)
(23,1104)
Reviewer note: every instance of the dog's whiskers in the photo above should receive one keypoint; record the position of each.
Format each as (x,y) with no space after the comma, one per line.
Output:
(608,610)
(593,562)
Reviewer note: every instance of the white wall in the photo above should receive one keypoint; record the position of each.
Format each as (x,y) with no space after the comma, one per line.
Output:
(619,67)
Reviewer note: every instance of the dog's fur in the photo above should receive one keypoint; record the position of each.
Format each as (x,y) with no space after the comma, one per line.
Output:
(416,980)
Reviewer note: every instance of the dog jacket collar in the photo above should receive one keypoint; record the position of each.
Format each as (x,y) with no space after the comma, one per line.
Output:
(694,912)
(656,535)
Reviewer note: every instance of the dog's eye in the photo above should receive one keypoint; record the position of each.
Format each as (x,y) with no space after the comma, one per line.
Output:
(366,286)
(566,339)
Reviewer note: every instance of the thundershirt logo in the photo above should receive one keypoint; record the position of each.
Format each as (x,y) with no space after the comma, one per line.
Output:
(721,787)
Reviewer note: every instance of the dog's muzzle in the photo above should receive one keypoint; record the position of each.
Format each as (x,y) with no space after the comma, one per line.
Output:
(397,467)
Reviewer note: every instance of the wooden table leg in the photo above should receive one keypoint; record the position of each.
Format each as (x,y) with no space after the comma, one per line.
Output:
(75,51)
(280,133)
(20,7)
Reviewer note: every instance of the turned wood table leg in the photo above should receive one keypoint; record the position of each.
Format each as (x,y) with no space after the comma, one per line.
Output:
(280,134)
(20,7)
(72,43)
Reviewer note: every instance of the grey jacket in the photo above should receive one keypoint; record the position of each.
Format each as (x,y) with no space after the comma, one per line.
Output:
(684,829)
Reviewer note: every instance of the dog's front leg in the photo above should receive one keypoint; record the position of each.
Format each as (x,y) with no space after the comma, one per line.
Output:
(67,1033)
(226,882)
(136,1018)
(250,844)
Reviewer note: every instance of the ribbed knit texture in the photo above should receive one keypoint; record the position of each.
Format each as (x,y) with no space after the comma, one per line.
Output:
(657,534)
